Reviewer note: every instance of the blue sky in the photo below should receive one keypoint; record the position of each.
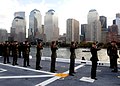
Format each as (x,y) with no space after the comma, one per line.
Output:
(77,9)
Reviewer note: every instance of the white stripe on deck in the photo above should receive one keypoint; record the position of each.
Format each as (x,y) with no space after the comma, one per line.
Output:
(32,76)
(55,78)
(24,68)
(2,70)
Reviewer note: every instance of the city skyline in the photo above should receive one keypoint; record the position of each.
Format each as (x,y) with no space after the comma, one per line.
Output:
(77,9)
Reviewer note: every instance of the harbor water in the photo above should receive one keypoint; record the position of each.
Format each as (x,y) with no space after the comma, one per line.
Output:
(65,53)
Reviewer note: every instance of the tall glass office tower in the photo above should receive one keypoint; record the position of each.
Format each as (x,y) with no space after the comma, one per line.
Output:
(35,25)
(3,35)
(18,29)
(103,21)
(94,26)
(51,28)
(117,22)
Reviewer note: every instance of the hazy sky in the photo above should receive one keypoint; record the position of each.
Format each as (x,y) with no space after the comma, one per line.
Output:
(65,9)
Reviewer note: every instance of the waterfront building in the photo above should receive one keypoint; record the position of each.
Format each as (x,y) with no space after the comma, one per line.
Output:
(72,32)
(104,36)
(103,21)
(35,25)
(18,29)
(112,33)
(93,33)
(117,22)
(3,35)
(84,27)
(51,29)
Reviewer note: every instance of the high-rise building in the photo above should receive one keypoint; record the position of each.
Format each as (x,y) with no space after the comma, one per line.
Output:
(112,33)
(92,16)
(117,22)
(104,36)
(104,28)
(3,35)
(18,29)
(35,25)
(84,27)
(72,32)
(20,14)
(93,32)
(103,21)
(51,28)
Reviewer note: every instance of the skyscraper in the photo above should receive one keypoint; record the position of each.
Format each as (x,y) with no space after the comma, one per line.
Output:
(93,33)
(51,29)
(72,31)
(103,21)
(84,27)
(18,29)
(117,22)
(20,14)
(112,33)
(35,25)
(3,35)
(92,16)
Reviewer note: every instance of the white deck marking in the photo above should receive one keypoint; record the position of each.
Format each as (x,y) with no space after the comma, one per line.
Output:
(32,76)
(2,70)
(55,78)
(87,79)
(27,68)
(48,81)
(24,76)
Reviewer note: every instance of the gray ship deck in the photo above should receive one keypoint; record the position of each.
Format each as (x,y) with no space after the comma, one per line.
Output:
(27,76)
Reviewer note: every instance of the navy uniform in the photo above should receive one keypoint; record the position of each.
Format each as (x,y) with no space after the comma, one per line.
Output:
(20,49)
(15,52)
(26,51)
(6,52)
(53,56)
(110,56)
(11,48)
(113,54)
(72,58)
(38,55)
(94,60)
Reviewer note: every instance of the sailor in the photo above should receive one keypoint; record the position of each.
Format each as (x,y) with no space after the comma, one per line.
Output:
(6,52)
(94,60)
(26,51)
(15,53)
(38,55)
(72,58)
(114,55)
(53,56)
